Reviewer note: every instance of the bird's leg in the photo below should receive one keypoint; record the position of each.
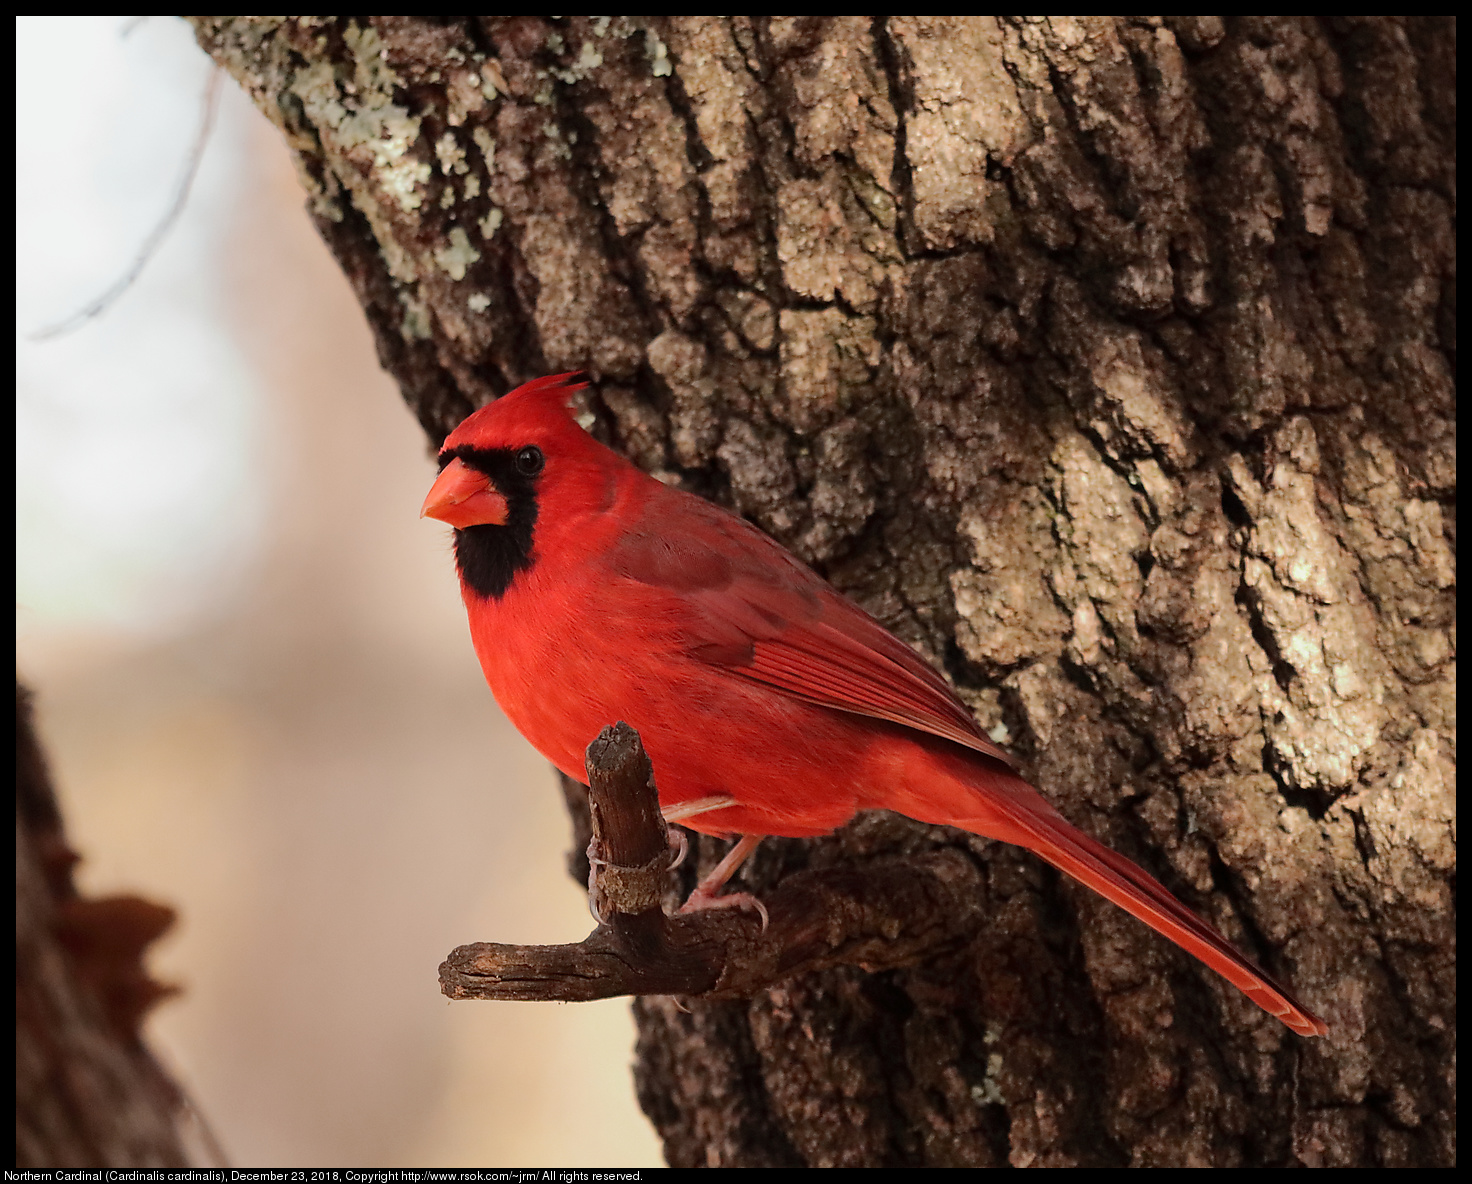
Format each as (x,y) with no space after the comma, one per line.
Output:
(705,894)
(735,857)
(684,810)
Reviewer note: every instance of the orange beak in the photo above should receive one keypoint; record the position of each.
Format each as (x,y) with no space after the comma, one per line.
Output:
(463,497)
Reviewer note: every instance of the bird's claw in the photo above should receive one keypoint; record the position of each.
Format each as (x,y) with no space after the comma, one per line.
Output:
(594,863)
(699,901)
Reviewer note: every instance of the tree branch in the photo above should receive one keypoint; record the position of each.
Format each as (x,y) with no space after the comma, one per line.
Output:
(894,912)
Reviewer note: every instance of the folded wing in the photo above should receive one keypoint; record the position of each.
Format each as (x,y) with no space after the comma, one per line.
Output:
(754,611)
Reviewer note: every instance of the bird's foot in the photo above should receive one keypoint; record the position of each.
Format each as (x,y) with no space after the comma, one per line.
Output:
(700,901)
(679,848)
(594,863)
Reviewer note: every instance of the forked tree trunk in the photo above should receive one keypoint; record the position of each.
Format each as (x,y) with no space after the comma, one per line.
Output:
(1109,363)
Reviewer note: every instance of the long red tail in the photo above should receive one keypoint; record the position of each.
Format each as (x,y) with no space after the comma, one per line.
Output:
(1036,825)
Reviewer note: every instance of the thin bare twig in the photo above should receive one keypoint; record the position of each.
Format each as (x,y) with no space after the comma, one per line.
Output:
(160,232)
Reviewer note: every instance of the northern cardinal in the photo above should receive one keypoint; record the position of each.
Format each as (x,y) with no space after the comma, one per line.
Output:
(768,702)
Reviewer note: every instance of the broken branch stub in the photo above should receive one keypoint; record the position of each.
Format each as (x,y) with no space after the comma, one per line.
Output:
(892,912)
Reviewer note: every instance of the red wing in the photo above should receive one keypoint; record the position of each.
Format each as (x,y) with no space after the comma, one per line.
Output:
(755,611)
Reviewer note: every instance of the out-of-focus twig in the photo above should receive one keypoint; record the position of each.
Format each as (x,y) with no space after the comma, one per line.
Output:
(160,232)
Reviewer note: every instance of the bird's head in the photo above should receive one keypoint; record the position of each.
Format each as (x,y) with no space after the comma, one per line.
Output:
(500,469)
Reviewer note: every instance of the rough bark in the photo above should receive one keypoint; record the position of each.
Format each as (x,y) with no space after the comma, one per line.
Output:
(88,1093)
(1108,362)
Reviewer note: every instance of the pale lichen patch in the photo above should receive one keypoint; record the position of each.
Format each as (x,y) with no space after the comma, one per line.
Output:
(458,255)
(451,156)
(464,95)
(415,325)
(487,145)
(589,59)
(560,144)
(369,128)
(659,55)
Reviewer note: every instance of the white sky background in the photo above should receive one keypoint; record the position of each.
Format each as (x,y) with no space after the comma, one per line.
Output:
(253,675)
(138,435)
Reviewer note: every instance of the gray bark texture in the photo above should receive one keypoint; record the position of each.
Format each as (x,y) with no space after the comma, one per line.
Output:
(1109,362)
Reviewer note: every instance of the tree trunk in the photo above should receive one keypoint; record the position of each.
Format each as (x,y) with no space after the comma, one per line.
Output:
(88,1093)
(1109,363)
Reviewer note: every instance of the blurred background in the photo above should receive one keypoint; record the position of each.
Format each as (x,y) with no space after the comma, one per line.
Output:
(252,669)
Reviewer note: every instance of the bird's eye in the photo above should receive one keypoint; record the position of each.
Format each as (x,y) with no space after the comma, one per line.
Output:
(530,461)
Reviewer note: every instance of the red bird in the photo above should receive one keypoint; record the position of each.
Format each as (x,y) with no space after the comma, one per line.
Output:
(769,703)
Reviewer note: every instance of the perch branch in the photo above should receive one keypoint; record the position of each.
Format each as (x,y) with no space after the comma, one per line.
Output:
(892,912)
